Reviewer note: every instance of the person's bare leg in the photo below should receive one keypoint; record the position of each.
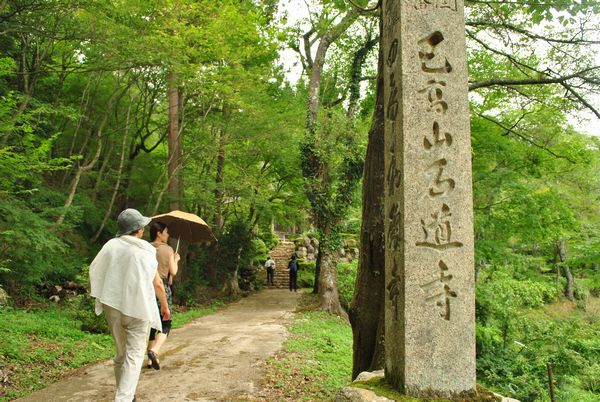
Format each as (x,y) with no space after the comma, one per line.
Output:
(157,343)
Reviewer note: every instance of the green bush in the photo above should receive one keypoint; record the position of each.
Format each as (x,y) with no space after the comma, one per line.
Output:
(34,253)
(306,273)
(81,308)
(269,238)
(590,378)
(346,275)
(516,338)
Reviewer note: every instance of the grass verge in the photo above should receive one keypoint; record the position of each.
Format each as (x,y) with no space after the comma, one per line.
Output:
(316,359)
(41,346)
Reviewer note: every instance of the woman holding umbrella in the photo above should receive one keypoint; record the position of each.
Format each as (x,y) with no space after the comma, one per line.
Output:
(167,269)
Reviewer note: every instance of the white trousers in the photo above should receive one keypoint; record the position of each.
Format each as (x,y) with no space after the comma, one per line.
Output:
(130,335)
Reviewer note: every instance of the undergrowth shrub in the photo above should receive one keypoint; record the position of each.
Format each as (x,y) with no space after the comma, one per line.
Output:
(590,378)
(516,338)
(346,277)
(82,309)
(306,273)
(34,252)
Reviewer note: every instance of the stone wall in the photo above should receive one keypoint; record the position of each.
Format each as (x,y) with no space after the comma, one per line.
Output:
(308,248)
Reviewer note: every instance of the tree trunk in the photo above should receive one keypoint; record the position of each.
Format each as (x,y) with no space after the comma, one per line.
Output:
(317,271)
(222,146)
(315,169)
(561,258)
(231,287)
(367,307)
(75,183)
(90,165)
(118,180)
(570,286)
(329,297)
(174,145)
(100,176)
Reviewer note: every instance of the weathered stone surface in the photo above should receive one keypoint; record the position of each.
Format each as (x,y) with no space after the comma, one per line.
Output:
(281,255)
(380,374)
(301,252)
(430,300)
(3,297)
(369,375)
(350,394)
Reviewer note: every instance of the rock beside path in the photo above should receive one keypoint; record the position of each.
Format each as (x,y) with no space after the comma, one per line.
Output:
(353,394)
(3,298)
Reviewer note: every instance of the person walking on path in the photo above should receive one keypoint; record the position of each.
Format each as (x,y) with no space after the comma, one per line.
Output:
(167,269)
(125,283)
(270,265)
(293,267)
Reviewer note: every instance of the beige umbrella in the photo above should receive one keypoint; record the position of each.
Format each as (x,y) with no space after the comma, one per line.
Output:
(186,226)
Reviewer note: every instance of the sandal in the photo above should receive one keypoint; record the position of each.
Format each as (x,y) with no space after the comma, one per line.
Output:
(154,358)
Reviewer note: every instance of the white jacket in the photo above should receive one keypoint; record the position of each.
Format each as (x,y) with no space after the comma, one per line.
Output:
(121,276)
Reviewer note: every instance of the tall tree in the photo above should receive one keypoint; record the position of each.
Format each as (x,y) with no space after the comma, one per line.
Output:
(366,310)
(328,188)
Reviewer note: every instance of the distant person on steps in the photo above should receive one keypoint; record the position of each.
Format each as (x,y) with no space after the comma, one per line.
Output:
(293,267)
(270,265)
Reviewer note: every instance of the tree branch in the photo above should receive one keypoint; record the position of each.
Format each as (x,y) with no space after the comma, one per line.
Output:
(510,130)
(580,99)
(529,34)
(366,10)
(532,81)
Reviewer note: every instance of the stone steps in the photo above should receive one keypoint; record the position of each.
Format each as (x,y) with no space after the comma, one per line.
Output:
(281,255)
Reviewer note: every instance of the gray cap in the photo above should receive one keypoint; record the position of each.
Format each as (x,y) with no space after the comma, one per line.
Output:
(131,220)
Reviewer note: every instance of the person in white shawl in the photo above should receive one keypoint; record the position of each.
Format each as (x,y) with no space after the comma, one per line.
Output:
(125,282)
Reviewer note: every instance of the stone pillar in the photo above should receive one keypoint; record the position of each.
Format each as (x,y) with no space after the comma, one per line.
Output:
(430,297)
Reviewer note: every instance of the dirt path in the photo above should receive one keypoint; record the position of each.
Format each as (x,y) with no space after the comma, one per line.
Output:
(214,358)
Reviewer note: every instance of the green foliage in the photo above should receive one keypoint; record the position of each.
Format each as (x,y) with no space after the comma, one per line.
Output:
(82,308)
(590,379)
(269,239)
(523,324)
(346,276)
(32,252)
(235,248)
(503,288)
(306,273)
